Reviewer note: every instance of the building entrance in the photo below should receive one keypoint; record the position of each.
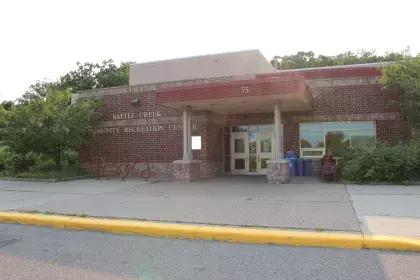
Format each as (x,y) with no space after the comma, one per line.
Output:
(251,147)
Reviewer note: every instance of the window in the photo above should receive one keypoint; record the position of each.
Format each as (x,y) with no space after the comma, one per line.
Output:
(316,138)
(196,142)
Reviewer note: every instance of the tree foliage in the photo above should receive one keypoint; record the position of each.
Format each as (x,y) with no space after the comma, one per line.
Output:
(404,74)
(7,104)
(38,90)
(308,59)
(86,76)
(89,76)
(49,126)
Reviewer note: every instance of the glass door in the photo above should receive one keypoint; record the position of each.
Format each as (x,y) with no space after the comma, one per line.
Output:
(264,150)
(240,151)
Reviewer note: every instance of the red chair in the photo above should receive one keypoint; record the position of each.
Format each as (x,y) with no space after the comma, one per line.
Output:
(329,167)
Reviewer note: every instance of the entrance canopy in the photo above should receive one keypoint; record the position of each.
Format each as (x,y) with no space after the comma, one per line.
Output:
(240,96)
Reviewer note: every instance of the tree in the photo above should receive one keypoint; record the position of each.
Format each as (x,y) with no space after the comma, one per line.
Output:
(50,126)
(89,76)
(404,74)
(309,59)
(38,90)
(86,76)
(7,104)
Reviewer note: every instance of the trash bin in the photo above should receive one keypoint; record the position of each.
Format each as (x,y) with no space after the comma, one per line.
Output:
(308,167)
(292,157)
(300,167)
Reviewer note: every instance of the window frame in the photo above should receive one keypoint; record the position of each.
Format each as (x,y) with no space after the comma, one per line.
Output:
(325,130)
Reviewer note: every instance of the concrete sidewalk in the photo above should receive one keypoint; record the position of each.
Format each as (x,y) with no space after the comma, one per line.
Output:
(387,209)
(236,201)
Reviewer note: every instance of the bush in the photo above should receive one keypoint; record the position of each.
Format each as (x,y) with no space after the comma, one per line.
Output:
(400,163)
(44,164)
(5,155)
(71,157)
(21,162)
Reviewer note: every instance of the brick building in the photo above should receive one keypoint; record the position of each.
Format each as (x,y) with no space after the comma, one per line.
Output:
(240,115)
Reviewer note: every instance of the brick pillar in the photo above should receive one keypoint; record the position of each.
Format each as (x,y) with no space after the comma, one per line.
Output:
(186,171)
(278,171)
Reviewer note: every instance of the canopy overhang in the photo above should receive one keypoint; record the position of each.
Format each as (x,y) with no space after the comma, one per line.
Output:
(244,96)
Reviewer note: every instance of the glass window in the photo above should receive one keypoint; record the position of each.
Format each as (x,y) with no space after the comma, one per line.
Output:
(239,163)
(311,126)
(266,128)
(239,146)
(242,128)
(265,145)
(337,141)
(264,163)
(337,125)
(315,138)
(362,138)
(312,153)
(252,143)
(252,163)
(362,125)
(312,139)
(253,128)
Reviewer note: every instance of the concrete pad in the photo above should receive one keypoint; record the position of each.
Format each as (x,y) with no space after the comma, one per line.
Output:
(383,190)
(86,186)
(408,227)
(387,205)
(328,215)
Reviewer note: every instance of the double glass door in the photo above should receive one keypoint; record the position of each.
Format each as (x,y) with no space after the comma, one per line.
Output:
(252,149)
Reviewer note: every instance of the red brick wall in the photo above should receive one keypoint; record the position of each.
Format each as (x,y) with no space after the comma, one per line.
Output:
(347,103)
(333,103)
(153,146)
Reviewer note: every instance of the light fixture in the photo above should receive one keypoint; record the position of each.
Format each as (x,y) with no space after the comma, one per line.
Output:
(135,102)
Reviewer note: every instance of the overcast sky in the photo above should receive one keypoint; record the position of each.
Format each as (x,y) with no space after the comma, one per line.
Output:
(44,39)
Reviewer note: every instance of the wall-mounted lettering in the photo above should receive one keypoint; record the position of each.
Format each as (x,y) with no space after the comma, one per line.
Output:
(245,90)
(141,115)
(105,130)
(138,129)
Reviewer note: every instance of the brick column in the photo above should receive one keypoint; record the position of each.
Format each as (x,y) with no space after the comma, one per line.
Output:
(278,168)
(278,171)
(278,131)
(187,169)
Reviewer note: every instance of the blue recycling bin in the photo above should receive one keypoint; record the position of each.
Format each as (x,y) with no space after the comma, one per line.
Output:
(300,167)
(292,157)
(308,167)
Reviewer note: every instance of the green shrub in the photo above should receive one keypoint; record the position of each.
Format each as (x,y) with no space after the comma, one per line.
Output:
(44,164)
(5,154)
(21,162)
(400,163)
(71,157)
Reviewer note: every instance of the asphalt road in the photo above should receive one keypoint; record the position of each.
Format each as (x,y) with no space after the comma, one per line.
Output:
(28,252)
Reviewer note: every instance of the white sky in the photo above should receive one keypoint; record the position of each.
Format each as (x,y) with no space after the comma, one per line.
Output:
(44,39)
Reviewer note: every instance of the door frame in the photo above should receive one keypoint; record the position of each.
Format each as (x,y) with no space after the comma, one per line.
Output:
(244,155)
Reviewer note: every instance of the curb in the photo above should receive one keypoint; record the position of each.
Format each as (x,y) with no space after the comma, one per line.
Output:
(51,180)
(229,234)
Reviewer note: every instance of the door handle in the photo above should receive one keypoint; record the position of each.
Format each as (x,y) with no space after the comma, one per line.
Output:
(258,158)
(246,159)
